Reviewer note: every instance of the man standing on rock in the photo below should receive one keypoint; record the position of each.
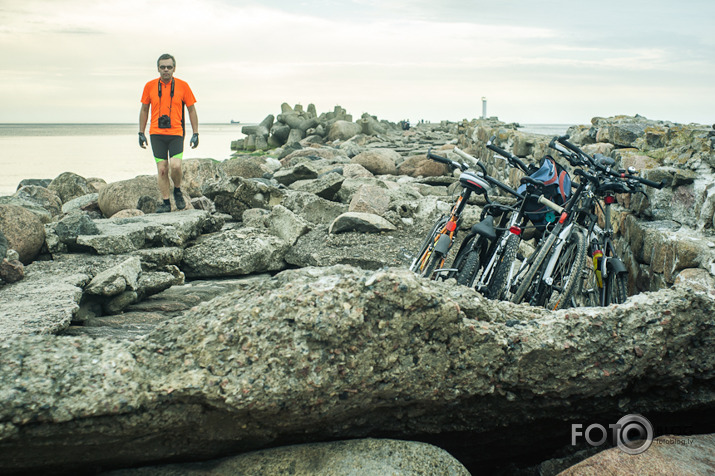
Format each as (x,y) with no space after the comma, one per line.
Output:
(166,96)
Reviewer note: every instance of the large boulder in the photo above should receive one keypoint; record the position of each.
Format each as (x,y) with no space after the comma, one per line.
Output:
(667,454)
(370,199)
(69,185)
(368,456)
(340,353)
(125,194)
(196,172)
(379,161)
(128,194)
(421,166)
(23,230)
(235,252)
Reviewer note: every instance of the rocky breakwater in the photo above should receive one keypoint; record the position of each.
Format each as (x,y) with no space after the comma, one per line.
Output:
(278,310)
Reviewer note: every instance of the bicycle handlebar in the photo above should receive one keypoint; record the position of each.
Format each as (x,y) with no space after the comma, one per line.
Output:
(509,156)
(466,156)
(601,165)
(545,201)
(450,163)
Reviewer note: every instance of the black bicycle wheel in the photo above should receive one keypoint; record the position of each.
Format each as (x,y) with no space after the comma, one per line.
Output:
(616,288)
(497,287)
(534,262)
(566,273)
(469,260)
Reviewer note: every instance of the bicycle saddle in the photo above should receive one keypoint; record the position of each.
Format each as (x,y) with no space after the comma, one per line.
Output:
(473,182)
(485,228)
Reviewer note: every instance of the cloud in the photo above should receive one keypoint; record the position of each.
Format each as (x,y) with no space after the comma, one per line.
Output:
(392,58)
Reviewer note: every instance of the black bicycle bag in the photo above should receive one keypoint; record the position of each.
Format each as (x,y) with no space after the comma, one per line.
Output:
(557,188)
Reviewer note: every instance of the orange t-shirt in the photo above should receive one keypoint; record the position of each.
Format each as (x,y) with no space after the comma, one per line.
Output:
(165,105)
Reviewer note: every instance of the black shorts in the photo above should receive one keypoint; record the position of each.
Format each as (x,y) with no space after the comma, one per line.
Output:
(165,146)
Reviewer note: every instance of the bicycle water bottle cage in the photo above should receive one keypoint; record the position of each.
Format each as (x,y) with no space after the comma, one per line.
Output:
(485,228)
(471,181)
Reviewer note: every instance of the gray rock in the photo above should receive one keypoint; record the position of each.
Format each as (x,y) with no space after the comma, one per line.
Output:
(41,196)
(313,208)
(72,226)
(287,176)
(69,185)
(125,235)
(360,222)
(36,182)
(11,271)
(89,202)
(246,167)
(338,353)
(370,199)
(116,280)
(48,298)
(125,194)
(197,172)
(349,457)
(379,161)
(326,186)
(41,212)
(235,195)
(23,230)
(286,225)
(234,253)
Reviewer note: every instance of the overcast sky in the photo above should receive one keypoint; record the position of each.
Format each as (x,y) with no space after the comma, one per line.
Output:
(544,61)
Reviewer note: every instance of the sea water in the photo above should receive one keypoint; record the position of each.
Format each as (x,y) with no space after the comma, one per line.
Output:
(107,151)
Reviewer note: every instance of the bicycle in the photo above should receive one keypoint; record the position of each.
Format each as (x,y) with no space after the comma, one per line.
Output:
(548,275)
(605,276)
(433,252)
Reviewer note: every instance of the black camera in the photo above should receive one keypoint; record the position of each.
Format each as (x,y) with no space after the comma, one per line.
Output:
(164,122)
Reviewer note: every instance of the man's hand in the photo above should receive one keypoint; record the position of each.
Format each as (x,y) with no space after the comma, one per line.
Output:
(194,140)
(142,140)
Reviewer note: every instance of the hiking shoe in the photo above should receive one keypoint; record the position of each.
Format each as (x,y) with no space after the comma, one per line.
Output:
(179,199)
(163,208)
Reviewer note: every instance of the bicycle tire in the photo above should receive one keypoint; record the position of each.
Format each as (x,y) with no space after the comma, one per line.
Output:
(434,260)
(567,272)
(588,294)
(534,267)
(616,288)
(496,289)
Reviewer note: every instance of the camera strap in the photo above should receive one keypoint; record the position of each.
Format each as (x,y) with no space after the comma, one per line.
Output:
(171,100)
